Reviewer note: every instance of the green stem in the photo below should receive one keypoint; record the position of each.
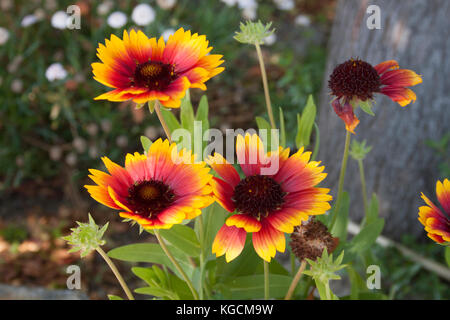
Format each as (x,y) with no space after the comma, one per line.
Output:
(341,179)
(162,121)
(266,280)
(116,273)
(363,185)
(266,86)
(295,280)
(175,263)
(202,256)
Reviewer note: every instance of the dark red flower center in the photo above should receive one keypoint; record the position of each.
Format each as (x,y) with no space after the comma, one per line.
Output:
(354,78)
(154,75)
(258,196)
(148,198)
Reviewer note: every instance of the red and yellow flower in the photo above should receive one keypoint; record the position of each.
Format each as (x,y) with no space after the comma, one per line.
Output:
(436,222)
(157,190)
(266,205)
(144,69)
(355,80)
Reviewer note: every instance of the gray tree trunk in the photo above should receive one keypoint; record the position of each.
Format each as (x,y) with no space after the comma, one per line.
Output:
(401,165)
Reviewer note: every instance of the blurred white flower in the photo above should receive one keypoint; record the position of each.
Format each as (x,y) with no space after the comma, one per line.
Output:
(92,129)
(6,4)
(122,141)
(55,72)
(117,19)
(106,125)
(247,4)
(4,35)
(230,3)
(79,144)
(166,4)
(302,20)
(55,153)
(271,39)
(249,13)
(104,8)
(285,4)
(16,86)
(167,33)
(59,20)
(93,152)
(29,20)
(151,133)
(71,159)
(143,14)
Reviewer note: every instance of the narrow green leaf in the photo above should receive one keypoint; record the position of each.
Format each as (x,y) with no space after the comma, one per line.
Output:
(340,226)
(213,219)
(366,106)
(307,122)
(146,274)
(372,213)
(157,292)
(150,252)
(187,115)
(184,238)
(252,287)
(202,112)
(263,124)
(146,143)
(113,297)
(170,119)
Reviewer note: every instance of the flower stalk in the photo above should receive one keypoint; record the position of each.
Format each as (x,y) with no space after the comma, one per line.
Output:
(295,281)
(176,264)
(265,85)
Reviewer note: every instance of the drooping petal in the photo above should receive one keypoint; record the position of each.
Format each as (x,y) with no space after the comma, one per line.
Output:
(400,78)
(223,193)
(386,65)
(346,113)
(229,241)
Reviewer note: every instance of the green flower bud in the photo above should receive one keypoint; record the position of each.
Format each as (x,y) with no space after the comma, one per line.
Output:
(324,268)
(86,237)
(359,150)
(253,32)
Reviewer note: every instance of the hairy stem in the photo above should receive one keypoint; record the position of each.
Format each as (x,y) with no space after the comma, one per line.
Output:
(295,281)
(266,86)
(116,273)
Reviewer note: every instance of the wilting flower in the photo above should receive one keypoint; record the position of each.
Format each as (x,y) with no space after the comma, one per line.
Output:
(143,14)
(117,19)
(310,239)
(355,82)
(157,190)
(437,223)
(267,205)
(144,69)
(55,72)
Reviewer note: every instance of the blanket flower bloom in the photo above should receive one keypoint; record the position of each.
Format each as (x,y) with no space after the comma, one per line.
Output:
(144,69)
(357,81)
(437,223)
(266,205)
(157,190)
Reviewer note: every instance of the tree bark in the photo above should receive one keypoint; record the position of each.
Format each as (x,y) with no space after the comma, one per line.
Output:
(400,165)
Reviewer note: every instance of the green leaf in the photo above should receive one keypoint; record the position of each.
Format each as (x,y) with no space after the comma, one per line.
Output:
(202,112)
(157,292)
(263,124)
(340,226)
(324,295)
(252,287)
(146,143)
(149,252)
(306,123)
(447,256)
(366,106)
(170,119)
(372,212)
(113,297)
(146,274)
(213,219)
(184,238)
(282,129)
(187,115)
(364,239)
(357,283)
(316,142)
